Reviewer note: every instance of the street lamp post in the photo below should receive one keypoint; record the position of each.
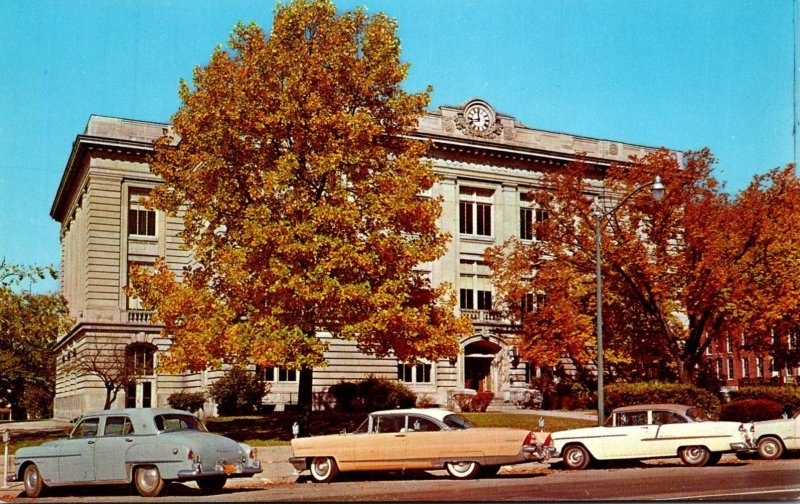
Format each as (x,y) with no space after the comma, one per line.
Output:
(657,188)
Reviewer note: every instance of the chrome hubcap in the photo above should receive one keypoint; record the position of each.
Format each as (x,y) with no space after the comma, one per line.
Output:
(149,478)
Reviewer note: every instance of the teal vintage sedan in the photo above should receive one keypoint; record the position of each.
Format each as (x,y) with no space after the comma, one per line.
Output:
(143,446)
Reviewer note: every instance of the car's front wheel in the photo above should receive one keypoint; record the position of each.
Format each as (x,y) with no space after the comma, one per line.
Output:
(770,448)
(212,485)
(148,482)
(32,481)
(463,470)
(576,457)
(323,469)
(696,456)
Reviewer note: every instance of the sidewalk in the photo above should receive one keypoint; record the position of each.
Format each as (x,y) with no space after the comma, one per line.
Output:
(580,415)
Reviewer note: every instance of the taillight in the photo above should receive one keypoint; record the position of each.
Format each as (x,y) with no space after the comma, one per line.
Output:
(191,455)
(253,453)
(549,440)
(528,439)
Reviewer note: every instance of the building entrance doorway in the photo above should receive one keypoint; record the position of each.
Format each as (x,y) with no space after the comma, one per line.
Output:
(479,372)
(139,394)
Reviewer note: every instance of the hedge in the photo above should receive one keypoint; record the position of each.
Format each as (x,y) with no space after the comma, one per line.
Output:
(654,392)
(371,394)
(751,410)
(782,395)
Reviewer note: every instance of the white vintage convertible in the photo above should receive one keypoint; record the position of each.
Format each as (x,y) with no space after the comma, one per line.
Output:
(149,447)
(653,431)
(774,437)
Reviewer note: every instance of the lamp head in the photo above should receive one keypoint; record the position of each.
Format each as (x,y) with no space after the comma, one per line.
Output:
(658,188)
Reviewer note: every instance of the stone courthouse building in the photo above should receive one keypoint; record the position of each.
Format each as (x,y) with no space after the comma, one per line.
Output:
(487,161)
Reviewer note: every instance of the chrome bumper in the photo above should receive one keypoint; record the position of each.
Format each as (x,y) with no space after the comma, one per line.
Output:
(740,447)
(227,470)
(299,463)
(538,453)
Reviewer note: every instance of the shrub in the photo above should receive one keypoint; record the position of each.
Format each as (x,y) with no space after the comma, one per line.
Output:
(480,401)
(238,392)
(751,410)
(787,395)
(425,401)
(371,394)
(653,392)
(189,401)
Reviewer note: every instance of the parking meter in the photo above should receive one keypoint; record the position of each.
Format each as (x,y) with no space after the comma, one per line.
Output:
(6,439)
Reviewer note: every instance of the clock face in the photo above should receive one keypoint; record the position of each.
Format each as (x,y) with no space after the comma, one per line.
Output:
(478,117)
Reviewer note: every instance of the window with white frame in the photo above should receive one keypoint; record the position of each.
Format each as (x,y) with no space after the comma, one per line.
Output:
(730,368)
(278,374)
(415,373)
(475,212)
(134,303)
(729,343)
(772,370)
(719,368)
(527,218)
(475,286)
(759,367)
(745,367)
(744,340)
(531,301)
(791,339)
(141,220)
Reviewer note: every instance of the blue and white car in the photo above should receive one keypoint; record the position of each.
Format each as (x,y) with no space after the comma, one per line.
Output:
(144,446)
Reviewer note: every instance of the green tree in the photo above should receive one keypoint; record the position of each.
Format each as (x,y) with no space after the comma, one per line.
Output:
(29,326)
(300,194)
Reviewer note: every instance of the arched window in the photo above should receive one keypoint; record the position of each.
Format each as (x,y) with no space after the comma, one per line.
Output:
(140,358)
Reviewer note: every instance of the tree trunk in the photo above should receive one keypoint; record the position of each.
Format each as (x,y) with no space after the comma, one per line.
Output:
(304,400)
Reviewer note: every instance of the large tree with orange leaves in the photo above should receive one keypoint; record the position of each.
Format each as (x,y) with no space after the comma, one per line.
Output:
(676,272)
(300,194)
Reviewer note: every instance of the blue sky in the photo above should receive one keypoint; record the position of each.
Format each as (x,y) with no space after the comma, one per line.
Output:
(680,74)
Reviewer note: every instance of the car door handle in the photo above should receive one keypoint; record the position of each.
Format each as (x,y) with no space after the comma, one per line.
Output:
(129,440)
(91,442)
(399,435)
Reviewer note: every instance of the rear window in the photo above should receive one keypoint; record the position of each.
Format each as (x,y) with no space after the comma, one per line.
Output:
(457,422)
(176,422)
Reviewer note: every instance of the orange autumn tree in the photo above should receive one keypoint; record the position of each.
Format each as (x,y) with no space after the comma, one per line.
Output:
(300,194)
(676,273)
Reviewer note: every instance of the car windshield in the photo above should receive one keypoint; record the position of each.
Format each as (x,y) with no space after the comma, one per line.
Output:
(178,422)
(457,422)
(695,415)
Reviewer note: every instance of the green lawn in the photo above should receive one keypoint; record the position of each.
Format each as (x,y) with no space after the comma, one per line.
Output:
(275,429)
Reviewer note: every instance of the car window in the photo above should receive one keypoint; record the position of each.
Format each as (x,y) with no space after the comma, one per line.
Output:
(87,428)
(457,422)
(667,417)
(422,424)
(695,415)
(177,422)
(363,428)
(632,418)
(118,426)
(389,423)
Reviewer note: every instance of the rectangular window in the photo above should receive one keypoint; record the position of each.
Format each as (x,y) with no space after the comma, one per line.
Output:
(730,368)
(141,220)
(419,373)
(484,300)
(278,374)
(467,302)
(475,212)
(134,303)
(729,344)
(759,367)
(719,369)
(465,217)
(527,218)
(745,367)
(791,340)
